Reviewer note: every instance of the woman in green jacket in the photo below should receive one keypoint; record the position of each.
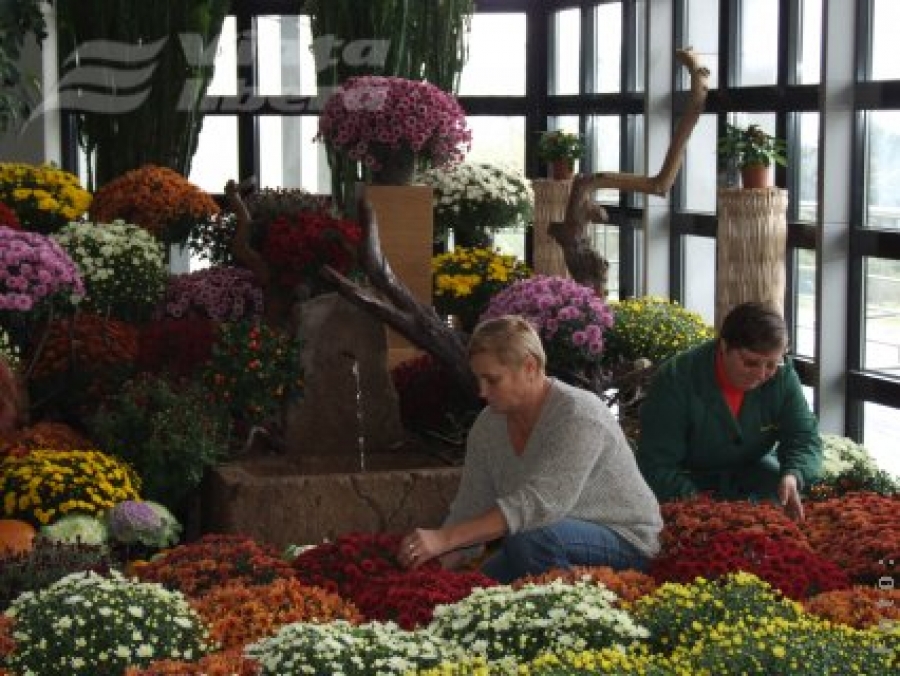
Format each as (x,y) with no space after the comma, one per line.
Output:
(729,418)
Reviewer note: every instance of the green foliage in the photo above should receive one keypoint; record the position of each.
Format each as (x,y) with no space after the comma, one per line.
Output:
(751,146)
(19,19)
(169,433)
(560,145)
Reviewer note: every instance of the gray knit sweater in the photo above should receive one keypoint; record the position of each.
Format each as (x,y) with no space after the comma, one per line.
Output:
(577,463)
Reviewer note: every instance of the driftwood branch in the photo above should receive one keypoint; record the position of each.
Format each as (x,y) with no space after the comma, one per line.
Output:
(392,302)
(243,253)
(586,265)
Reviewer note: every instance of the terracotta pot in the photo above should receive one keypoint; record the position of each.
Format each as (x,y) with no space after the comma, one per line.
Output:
(756,176)
(562,170)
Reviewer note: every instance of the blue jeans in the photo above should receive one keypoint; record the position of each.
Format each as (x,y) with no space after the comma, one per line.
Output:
(564,544)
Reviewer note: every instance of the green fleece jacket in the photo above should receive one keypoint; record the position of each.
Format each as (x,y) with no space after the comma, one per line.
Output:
(687,429)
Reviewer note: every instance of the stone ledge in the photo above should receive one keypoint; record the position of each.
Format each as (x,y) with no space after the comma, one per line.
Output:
(277,503)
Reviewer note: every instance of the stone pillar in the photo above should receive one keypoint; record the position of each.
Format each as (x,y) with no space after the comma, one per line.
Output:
(750,248)
(349,406)
(550,199)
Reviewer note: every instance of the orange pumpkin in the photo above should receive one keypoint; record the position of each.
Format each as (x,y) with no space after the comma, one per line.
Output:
(16,537)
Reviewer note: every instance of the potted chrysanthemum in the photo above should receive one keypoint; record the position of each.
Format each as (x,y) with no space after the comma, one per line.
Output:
(388,127)
(475,199)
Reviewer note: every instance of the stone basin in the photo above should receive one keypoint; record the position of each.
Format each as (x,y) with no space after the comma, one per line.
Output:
(315,498)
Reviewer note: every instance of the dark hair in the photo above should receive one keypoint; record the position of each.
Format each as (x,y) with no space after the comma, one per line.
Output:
(754,326)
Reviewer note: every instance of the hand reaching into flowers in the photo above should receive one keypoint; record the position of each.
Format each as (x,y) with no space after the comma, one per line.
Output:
(789,497)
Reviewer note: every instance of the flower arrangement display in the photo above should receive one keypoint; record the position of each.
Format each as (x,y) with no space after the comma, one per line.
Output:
(254,370)
(857,531)
(34,267)
(225,663)
(146,523)
(158,199)
(431,399)
(354,650)
(43,197)
(222,294)
(627,585)
(474,199)
(44,434)
(268,204)
(212,561)
(363,568)
(8,218)
(238,614)
(100,625)
(848,467)
(177,348)
(46,485)
(297,247)
(792,569)
(509,626)
(681,614)
(695,521)
(75,529)
(123,267)
(168,432)
(81,360)
(652,328)
(465,280)
(570,318)
(806,646)
(860,607)
(368,117)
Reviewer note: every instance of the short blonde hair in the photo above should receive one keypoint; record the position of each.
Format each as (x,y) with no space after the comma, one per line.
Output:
(510,338)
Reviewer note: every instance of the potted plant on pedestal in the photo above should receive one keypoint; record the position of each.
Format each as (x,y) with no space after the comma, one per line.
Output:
(752,150)
(560,149)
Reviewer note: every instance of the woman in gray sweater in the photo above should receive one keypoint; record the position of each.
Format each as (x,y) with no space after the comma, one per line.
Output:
(547,469)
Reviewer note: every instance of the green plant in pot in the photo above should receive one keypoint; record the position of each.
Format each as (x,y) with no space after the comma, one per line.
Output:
(560,149)
(753,151)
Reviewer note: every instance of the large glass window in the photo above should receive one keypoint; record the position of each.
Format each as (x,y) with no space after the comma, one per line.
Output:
(291,70)
(804,294)
(809,62)
(565,60)
(758,43)
(289,158)
(880,436)
(607,48)
(885,19)
(701,31)
(882,318)
(807,170)
(699,276)
(605,138)
(882,196)
(498,140)
(224,81)
(496,65)
(216,159)
(605,240)
(699,169)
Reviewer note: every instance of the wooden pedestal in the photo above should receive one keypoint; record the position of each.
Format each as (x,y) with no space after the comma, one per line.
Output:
(550,199)
(750,248)
(405,226)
